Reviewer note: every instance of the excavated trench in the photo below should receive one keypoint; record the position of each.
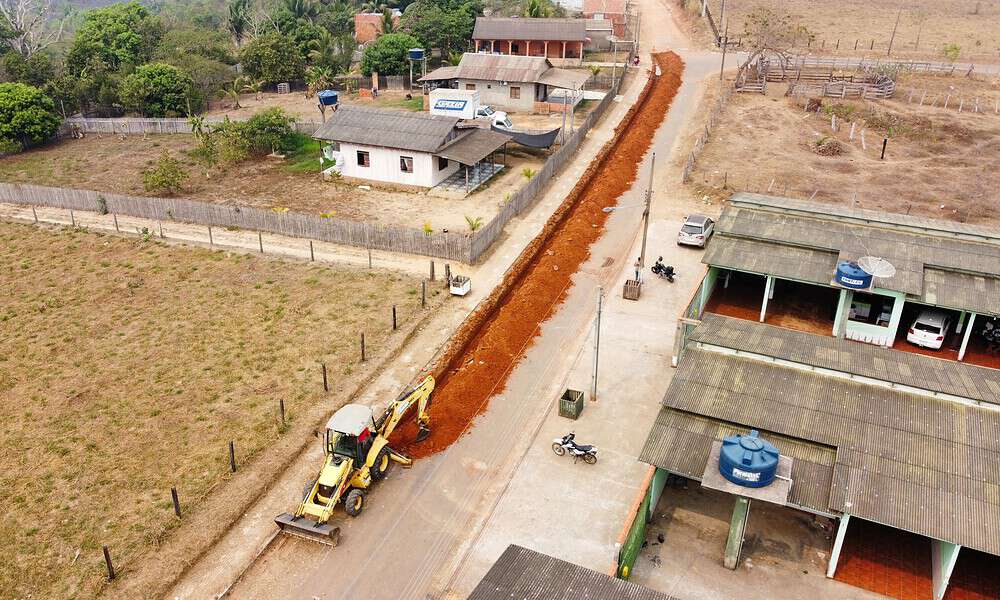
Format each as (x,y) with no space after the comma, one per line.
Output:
(484,351)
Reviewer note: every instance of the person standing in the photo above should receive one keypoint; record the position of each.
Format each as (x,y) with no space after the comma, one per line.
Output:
(638,266)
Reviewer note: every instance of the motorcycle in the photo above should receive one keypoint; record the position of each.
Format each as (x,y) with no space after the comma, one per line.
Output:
(664,271)
(567,443)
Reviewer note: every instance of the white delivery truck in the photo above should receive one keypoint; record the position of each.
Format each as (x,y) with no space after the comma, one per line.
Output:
(464,104)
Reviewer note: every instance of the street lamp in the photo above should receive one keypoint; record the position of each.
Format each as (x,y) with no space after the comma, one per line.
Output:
(645,212)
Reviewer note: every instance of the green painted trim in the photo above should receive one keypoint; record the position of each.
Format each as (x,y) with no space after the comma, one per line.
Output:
(737,527)
(843,305)
(944,555)
(656,490)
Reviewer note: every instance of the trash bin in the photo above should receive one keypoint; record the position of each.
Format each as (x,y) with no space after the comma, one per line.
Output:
(571,404)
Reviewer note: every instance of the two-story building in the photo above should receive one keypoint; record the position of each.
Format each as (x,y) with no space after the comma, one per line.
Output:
(404,148)
(560,40)
(512,83)
(895,442)
(615,11)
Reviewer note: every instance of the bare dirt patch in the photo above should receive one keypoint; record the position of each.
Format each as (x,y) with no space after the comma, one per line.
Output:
(925,26)
(109,164)
(126,366)
(489,344)
(939,163)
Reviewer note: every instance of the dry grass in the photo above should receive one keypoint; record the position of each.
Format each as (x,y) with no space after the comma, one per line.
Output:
(111,165)
(939,163)
(126,367)
(951,22)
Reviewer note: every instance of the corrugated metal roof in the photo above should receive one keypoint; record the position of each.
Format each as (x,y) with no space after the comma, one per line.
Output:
(525,28)
(680,442)
(564,78)
(866,360)
(604,6)
(522,574)
(474,146)
(421,132)
(961,291)
(773,233)
(915,462)
(501,67)
(440,73)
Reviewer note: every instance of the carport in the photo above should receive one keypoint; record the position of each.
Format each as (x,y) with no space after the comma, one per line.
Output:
(472,151)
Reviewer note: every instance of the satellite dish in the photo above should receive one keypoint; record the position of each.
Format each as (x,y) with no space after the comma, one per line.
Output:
(876,266)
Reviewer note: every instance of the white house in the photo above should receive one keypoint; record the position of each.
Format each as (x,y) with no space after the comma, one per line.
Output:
(404,148)
(512,83)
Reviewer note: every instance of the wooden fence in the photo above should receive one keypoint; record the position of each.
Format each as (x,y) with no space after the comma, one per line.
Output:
(137,126)
(337,231)
(526,196)
(699,143)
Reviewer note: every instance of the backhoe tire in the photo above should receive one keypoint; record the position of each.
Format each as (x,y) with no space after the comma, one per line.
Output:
(354,503)
(307,489)
(558,449)
(382,464)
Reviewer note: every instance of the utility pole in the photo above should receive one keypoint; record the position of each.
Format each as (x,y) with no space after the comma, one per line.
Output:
(645,212)
(597,343)
(725,44)
(614,61)
(893,36)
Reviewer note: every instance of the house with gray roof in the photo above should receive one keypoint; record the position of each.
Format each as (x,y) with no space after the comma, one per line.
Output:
(874,431)
(406,148)
(511,83)
(560,40)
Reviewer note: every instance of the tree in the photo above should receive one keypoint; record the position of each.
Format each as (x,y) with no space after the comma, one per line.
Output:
(27,116)
(440,25)
(474,223)
(117,36)
(302,9)
(239,20)
(332,52)
(28,25)
(951,51)
(272,58)
(388,25)
(157,90)
(37,69)
(535,9)
(387,54)
(769,32)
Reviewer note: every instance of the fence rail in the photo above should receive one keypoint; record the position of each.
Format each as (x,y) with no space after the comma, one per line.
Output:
(407,240)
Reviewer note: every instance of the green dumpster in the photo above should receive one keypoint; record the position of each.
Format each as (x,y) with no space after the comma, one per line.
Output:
(571,404)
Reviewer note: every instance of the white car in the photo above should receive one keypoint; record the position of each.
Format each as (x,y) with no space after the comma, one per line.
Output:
(696,231)
(497,117)
(929,328)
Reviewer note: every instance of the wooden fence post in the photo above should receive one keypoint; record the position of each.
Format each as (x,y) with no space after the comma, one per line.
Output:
(232,456)
(326,386)
(312,255)
(394,317)
(177,502)
(260,241)
(116,223)
(107,562)
(423,294)
(362,346)
(35,214)
(160,223)
(447,274)
(281,409)
(210,241)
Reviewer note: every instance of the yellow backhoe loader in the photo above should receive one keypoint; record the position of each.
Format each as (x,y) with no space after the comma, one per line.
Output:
(357,451)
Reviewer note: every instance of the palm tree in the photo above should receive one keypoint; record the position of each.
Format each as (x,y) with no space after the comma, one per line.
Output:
(387,24)
(302,9)
(239,86)
(318,78)
(330,50)
(197,123)
(474,223)
(595,70)
(535,8)
(239,19)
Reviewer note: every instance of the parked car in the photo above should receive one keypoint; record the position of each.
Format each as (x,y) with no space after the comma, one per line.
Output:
(929,328)
(695,231)
(497,117)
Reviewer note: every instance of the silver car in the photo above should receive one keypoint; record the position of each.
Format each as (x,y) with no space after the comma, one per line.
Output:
(696,231)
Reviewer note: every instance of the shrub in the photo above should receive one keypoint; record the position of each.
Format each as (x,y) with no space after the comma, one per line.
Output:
(387,54)
(231,142)
(167,177)
(272,58)
(951,51)
(27,116)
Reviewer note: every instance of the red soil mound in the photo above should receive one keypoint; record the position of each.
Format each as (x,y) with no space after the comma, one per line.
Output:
(490,342)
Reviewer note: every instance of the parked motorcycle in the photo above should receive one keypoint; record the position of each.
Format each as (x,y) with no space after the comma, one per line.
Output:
(664,271)
(567,443)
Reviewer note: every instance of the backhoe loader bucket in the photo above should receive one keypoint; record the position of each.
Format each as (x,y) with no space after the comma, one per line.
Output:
(308,529)
(423,433)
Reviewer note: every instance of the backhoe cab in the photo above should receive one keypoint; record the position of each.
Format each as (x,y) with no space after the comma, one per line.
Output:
(357,452)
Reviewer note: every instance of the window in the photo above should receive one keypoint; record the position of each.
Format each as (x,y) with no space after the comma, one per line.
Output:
(470,86)
(406,164)
(515,92)
(442,163)
(363,159)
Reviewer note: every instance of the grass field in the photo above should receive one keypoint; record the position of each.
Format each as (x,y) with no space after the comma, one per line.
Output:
(126,366)
(939,163)
(925,26)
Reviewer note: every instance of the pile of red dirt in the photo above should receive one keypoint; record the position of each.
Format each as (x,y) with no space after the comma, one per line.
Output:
(491,341)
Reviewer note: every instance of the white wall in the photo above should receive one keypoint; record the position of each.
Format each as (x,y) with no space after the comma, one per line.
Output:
(385,166)
(498,96)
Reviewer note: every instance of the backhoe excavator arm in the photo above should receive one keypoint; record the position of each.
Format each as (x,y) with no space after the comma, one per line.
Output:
(394,413)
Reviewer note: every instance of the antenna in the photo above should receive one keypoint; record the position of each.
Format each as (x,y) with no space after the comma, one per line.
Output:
(876,266)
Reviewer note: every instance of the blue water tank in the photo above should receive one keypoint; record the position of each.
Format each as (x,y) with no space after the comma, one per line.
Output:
(850,275)
(416,54)
(748,460)
(328,97)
